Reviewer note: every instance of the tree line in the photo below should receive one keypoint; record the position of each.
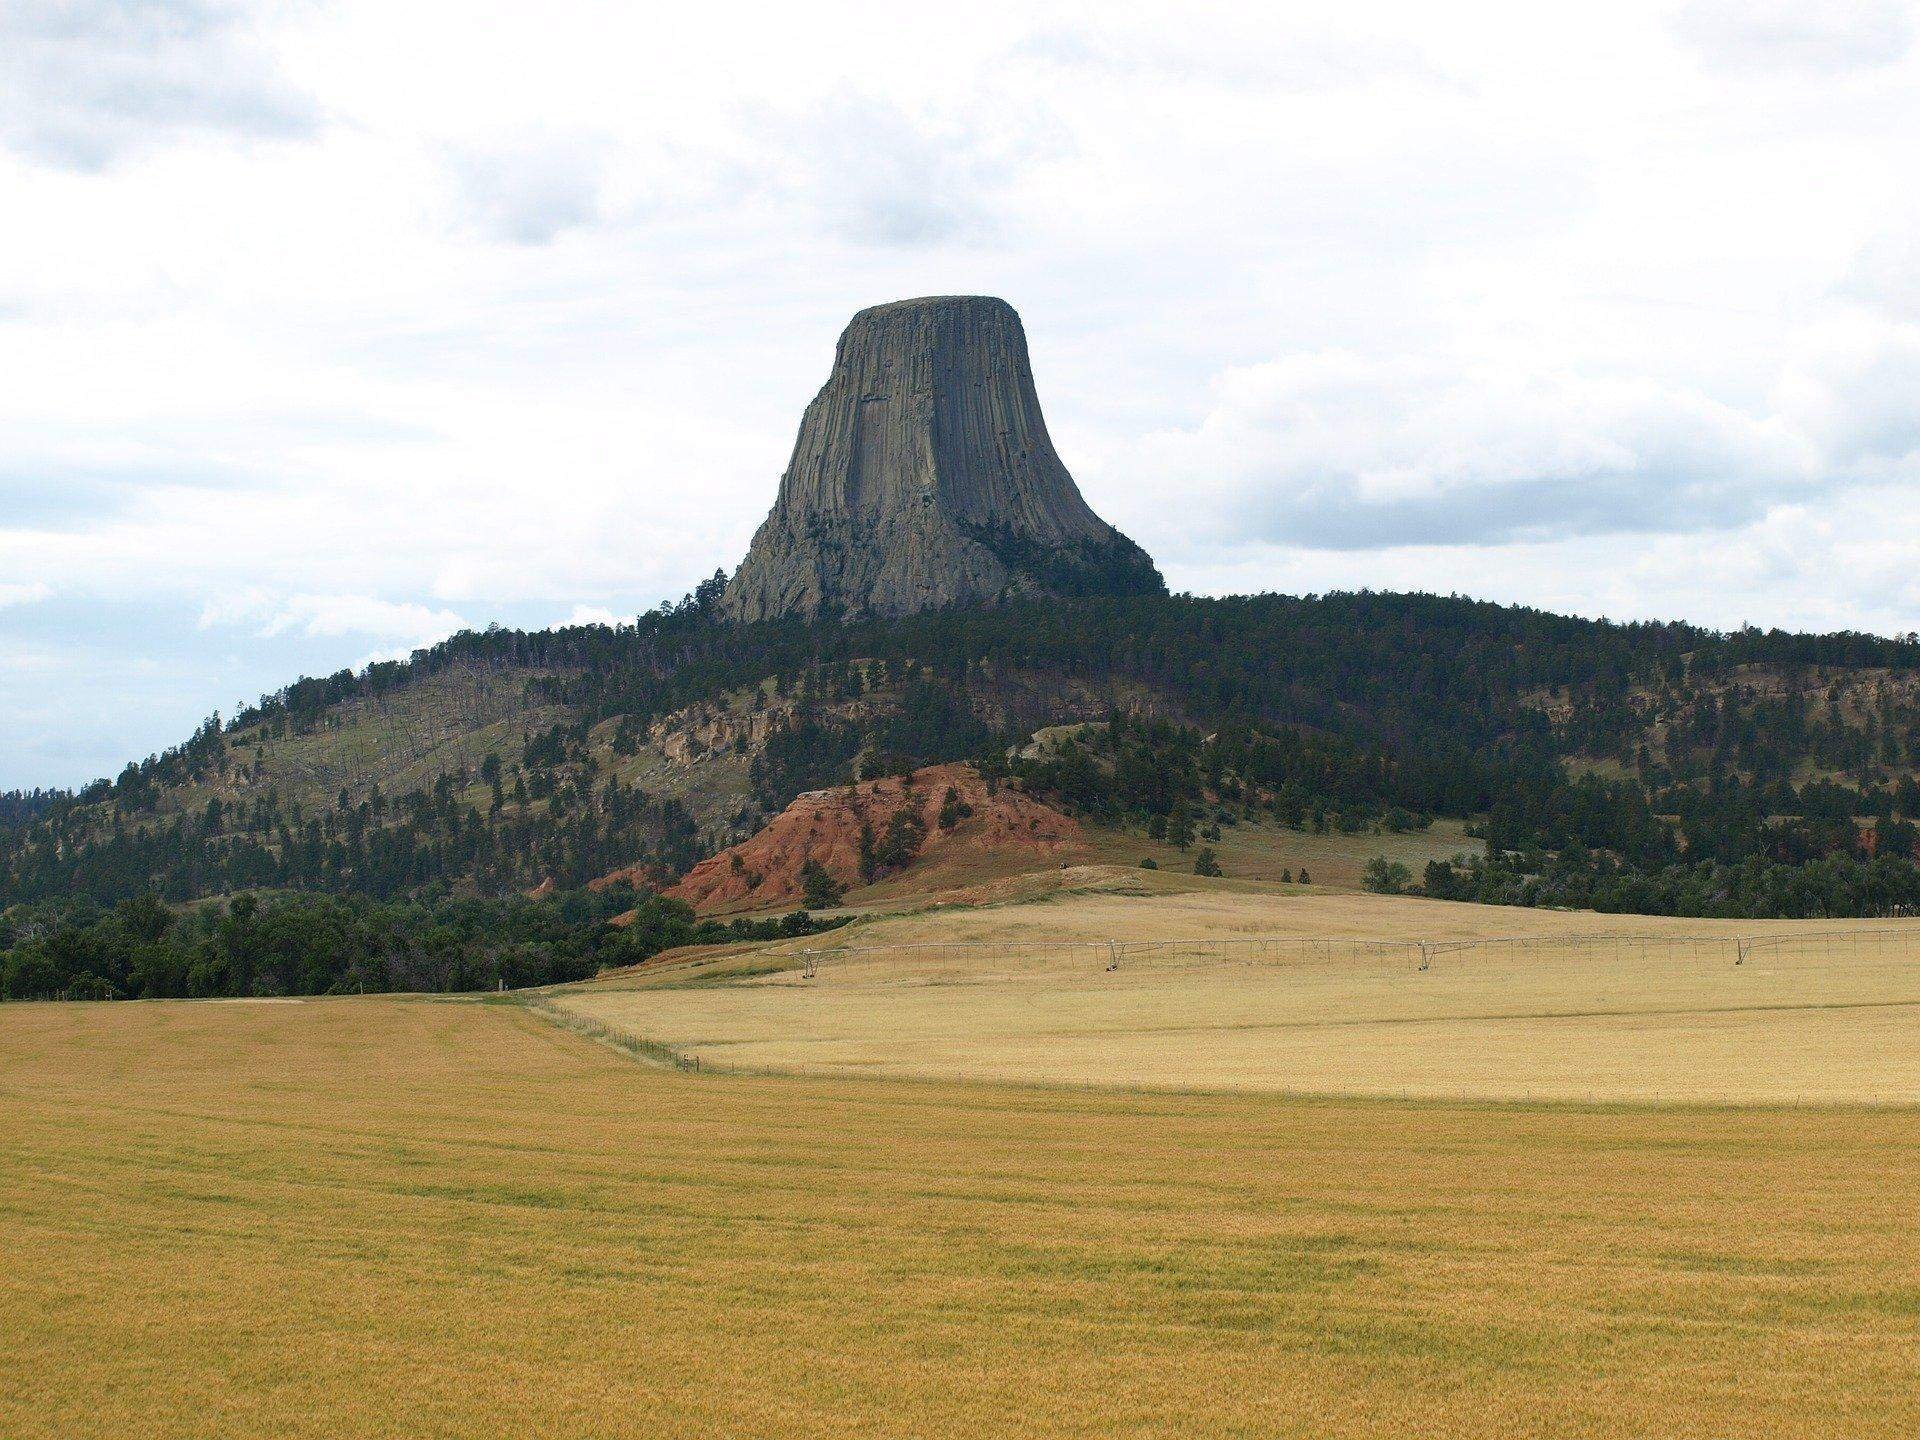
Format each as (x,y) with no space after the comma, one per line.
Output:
(1652,744)
(143,948)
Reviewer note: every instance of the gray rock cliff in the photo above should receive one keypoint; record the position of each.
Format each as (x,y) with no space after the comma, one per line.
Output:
(923,477)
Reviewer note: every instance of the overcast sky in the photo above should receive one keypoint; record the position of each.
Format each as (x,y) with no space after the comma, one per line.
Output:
(327,329)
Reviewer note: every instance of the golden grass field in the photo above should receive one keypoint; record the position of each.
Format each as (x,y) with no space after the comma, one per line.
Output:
(1258,852)
(1666,1015)
(1262,851)
(383,1217)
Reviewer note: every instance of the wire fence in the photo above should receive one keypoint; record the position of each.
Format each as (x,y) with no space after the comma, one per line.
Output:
(1887,944)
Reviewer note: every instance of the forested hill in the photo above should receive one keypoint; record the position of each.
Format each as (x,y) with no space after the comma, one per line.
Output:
(501,759)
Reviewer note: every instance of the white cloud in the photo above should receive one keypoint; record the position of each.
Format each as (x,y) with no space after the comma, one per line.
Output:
(363,615)
(1341,451)
(236,608)
(874,173)
(1828,37)
(1235,49)
(1607,308)
(1777,571)
(387,654)
(327,616)
(29,593)
(593,615)
(532,188)
(85,82)
(1852,384)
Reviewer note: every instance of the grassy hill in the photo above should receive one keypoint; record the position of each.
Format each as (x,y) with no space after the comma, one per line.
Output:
(443,723)
(1610,764)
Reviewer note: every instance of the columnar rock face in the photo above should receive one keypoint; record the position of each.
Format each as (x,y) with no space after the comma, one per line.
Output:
(923,477)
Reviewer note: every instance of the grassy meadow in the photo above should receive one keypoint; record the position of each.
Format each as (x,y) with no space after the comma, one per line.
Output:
(1250,855)
(1265,851)
(1559,1011)
(384,1217)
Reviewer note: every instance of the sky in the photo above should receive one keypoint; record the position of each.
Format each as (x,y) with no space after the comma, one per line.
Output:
(328,329)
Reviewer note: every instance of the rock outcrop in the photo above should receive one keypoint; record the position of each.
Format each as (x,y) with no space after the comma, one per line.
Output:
(959,822)
(923,477)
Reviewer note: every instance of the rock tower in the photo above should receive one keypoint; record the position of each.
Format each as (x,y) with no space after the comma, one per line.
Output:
(923,477)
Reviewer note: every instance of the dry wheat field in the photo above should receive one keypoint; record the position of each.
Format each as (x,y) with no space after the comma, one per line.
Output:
(384,1217)
(1565,1006)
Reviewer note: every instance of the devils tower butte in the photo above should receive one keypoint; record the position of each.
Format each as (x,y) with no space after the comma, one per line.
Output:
(923,477)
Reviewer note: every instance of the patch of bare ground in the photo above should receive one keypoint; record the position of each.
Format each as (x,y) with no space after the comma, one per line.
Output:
(958,821)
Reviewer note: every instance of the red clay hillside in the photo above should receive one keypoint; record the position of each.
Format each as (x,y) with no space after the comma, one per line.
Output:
(861,833)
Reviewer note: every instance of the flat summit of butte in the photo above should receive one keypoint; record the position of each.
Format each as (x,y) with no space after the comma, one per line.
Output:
(923,477)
